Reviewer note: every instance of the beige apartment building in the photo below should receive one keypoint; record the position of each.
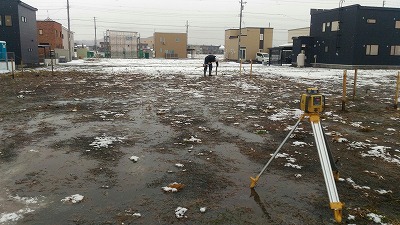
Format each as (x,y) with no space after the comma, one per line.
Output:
(252,40)
(149,42)
(305,31)
(170,45)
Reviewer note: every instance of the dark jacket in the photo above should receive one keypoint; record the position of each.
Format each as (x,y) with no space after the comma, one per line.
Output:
(210,59)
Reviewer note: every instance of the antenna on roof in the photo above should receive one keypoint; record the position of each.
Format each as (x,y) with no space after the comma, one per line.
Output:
(384,2)
(341,3)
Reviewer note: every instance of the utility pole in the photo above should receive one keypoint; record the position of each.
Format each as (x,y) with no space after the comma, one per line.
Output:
(240,26)
(187,32)
(384,2)
(95,36)
(69,34)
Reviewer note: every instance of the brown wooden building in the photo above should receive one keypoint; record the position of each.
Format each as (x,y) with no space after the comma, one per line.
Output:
(50,37)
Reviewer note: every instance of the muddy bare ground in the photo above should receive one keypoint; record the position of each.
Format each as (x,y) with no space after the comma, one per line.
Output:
(52,128)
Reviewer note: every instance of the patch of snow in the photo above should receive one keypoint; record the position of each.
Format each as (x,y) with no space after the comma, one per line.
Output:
(180,212)
(134,158)
(299,143)
(73,198)
(341,140)
(280,155)
(356,186)
(293,166)
(245,86)
(375,217)
(104,141)
(291,160)
(382,192)
(179,165)
(381,152)
(15,216)
(351,217)
(356,124)
(168,189)
(203,209)
(25,200)
(192,139)
(284,114)
(358,145)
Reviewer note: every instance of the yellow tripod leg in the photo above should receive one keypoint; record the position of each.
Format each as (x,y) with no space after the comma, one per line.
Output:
(337,210)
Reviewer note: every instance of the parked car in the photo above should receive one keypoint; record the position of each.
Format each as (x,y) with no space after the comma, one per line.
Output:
(262,57)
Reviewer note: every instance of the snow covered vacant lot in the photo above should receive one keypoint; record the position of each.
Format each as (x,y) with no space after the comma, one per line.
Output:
(154,142)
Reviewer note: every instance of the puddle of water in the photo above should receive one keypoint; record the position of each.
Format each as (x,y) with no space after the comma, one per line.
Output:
(239,133)
(56,120)
(275,199)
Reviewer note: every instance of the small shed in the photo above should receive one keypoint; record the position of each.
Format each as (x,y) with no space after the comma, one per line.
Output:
(281,55)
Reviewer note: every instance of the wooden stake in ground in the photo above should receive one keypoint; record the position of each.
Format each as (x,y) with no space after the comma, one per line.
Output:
(12,68)
(396,98)
(241,66)
(22,67)
(355,83)
(251,67)
(344,90)
(52,66)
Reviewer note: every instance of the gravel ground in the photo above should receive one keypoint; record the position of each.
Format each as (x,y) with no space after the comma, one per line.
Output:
(79,133)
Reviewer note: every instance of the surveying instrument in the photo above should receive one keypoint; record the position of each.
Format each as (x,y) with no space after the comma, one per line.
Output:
(313,103)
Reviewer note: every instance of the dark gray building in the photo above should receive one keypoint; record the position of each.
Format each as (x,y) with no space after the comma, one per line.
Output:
(352,35)
(18,29)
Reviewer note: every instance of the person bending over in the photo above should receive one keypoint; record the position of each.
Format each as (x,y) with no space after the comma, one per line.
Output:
(208,60)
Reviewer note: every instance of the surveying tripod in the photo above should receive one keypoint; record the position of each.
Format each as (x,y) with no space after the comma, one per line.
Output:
(313,103)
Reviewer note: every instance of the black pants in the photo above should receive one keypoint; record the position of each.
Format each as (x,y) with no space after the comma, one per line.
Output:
(209,69)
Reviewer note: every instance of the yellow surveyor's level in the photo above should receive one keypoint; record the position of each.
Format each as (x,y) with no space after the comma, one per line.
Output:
(312,101)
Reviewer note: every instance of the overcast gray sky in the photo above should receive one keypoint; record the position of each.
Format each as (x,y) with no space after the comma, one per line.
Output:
(207,19)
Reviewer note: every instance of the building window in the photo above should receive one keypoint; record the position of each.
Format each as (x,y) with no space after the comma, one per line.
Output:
(1,23)
(395,50)
(323,27)
(40,31)
(23,19)
(397,25)
(335,26)
(371,21)
(8,21)
(30,50)
(372,50)
(177,40)
(326,48)
(261,37)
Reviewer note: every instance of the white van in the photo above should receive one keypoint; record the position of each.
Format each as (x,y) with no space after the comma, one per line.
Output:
(262,57)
